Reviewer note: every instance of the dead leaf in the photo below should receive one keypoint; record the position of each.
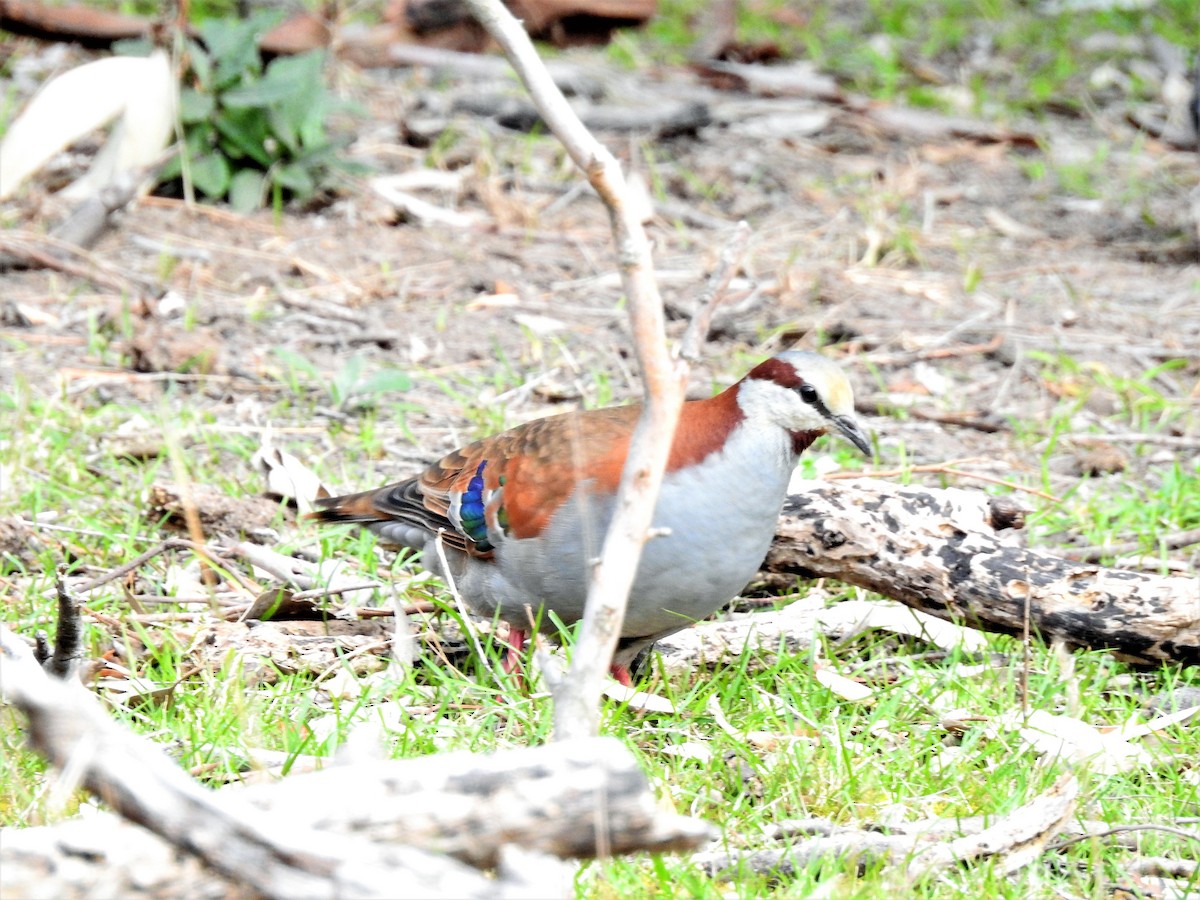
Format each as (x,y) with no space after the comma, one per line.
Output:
(287,477)
(185,580)
(1006,225)
(121,687)
(1106,750)
(797,79)
(23,315)
(846,688)
(933,381)
(490,301)
(643,701)
(538,325)
(929,125)
(714,709)
(693,750)
(266,650)
(639,198)
(853,617)
(422,211)
(342,685)
(280,604)
(1099,458)
(301,574)
(135,439)
(784,125)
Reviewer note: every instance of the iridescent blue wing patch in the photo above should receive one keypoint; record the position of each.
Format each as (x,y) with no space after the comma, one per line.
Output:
(472,512)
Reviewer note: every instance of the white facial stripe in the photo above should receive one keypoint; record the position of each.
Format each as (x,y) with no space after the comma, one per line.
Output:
(827,377)
(768,400)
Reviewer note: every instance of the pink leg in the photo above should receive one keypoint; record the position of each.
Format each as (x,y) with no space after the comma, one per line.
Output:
(621,673)
(516,650)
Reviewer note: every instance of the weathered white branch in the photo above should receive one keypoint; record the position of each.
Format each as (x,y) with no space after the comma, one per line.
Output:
(132,775)
(404,828)
(570,799)
(577,706)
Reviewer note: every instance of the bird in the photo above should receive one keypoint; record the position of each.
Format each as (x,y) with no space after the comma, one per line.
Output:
(521,515)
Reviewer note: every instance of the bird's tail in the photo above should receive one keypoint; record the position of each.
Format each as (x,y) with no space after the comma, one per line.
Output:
(348,509)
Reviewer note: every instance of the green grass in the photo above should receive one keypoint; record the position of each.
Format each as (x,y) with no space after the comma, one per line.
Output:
(1155,495)
(795,749)
(991,55)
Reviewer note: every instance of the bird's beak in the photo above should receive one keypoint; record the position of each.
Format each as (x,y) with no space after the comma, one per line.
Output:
(852,431)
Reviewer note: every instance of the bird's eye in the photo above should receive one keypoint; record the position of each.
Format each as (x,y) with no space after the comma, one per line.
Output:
(809,394)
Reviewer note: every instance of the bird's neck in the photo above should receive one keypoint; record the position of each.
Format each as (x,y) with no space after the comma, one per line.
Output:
(706,427)
(802,440)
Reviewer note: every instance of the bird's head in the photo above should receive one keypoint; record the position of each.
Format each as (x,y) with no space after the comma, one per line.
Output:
(804,393)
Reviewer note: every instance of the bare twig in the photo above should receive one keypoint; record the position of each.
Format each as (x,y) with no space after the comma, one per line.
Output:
(1011,842)
(1181,442)
(576,712)
(714,292)
(331,591)
(878,406)
(367,612)
(27,248)
(191,512)
(404,639)
(1015,840)
(950,467)
(1130,829)
(136,563)
(1163,867)
(904,359)
(286,569)
(468,624)
(88,220)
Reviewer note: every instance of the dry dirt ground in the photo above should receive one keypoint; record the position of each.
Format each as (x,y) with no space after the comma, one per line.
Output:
(968,280)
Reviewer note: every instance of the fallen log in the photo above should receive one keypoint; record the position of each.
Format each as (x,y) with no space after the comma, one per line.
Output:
(399,828)
(935,551)
(439,23)
(93,28)
(99,29)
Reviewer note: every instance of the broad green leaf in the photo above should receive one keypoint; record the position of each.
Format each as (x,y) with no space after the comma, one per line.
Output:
(201,64)
(171,169)
(211,175)
(262,92)
(200,139)
(297,79)
(246,131)
(246,190)
(233,45)
(194,106)
(296,178)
